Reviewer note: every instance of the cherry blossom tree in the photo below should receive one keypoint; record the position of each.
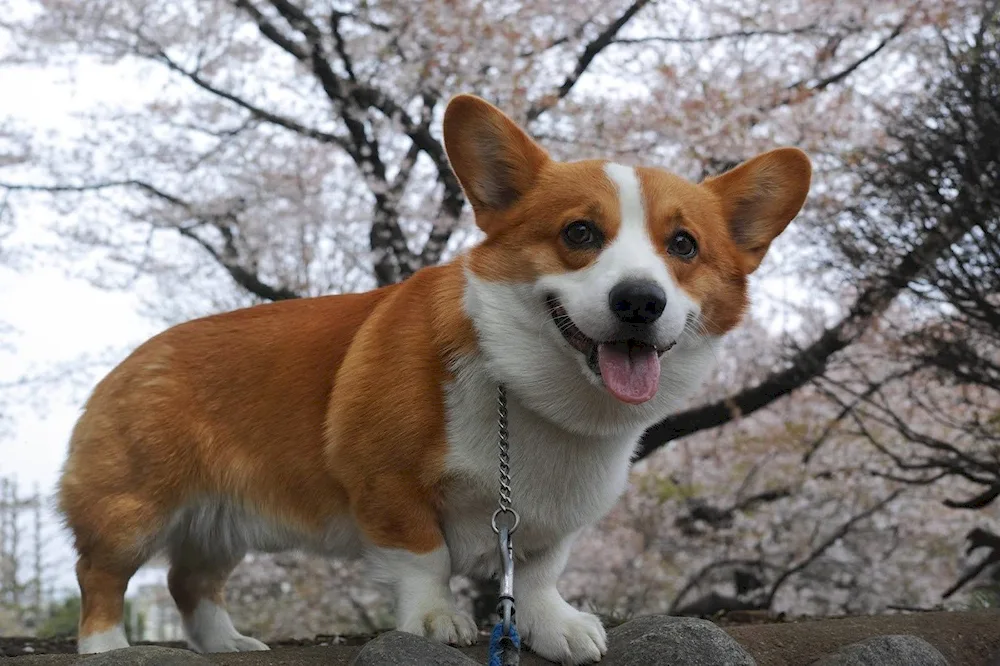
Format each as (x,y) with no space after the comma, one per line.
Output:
(278,149)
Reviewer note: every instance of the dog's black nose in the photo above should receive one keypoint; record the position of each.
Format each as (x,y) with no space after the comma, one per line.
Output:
(637,301)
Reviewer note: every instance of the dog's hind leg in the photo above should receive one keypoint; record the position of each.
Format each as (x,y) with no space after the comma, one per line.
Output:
(102,603)
(197,581)
(113,536)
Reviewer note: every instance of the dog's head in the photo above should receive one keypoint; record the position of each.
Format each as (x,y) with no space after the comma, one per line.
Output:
(602,285)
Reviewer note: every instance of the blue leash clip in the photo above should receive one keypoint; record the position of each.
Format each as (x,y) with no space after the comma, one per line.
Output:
(505,644)
(505,649)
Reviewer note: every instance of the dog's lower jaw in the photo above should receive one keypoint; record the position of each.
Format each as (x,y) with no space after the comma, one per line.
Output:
(425,605)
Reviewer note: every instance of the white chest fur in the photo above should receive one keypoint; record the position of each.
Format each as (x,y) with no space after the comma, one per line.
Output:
(561,481)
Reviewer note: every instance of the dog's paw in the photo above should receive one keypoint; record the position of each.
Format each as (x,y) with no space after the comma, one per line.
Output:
(248,644)
(230,642)
(209,629)
(445,625)
(568,636)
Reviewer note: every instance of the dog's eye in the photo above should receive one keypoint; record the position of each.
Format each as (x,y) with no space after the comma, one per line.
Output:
(582,234)
(683,245)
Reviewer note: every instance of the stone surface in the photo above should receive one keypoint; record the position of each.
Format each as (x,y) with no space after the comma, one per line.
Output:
(661,639)
(898,650)
(965,638)
(144,655)
(397,648)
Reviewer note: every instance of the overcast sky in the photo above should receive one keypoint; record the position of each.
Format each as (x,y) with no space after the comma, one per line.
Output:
(55,315)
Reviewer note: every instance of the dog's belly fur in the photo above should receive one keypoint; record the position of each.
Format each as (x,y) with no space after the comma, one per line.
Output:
(229,528)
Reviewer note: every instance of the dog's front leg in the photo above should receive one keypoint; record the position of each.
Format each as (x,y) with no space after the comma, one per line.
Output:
(424,603)
(547,623)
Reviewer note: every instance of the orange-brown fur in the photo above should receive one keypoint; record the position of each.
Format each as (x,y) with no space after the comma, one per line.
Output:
(239,404)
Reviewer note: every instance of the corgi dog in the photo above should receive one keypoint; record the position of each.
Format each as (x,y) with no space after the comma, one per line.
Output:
(365,425)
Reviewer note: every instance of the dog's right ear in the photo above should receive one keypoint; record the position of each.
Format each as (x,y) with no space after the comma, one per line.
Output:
(494,159)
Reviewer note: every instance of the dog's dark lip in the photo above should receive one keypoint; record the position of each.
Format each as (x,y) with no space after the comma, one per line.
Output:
(573,335)
(580,342)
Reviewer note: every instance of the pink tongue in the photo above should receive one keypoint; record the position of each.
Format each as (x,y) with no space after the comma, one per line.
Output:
(631,373)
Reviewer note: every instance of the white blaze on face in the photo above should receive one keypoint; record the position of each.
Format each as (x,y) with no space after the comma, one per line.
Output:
(631,254)
(634,254)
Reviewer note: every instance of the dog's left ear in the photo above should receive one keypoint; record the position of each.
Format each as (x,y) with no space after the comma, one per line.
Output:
(760,197)
(494,159)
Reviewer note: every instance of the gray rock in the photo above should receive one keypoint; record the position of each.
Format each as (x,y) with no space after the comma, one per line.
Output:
(662,639)
(886,651)
(145,655)
(399,648)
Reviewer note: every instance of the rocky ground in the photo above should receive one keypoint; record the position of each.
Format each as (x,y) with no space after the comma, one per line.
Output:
(924,639)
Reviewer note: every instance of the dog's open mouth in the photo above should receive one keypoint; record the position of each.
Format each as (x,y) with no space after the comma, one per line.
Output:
(630,369)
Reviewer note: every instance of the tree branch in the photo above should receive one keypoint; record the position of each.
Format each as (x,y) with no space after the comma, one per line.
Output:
(366,150)
(825,545)
(256,111)
(246,279)
(94,187)
(702,573)
(812,361)
(722,36)
(341,46)
(271,31)
(590,51)
(977,538)
(847,408)
(839,76)
(240,274)
(394,261)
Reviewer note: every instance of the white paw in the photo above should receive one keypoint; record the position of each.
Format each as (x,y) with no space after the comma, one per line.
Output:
(209,629)
(243,643)
(566,636)
(104,641)
(228,643)
(445,625)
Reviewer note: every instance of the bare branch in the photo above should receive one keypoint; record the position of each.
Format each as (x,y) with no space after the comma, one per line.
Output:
(590,51)
(402,178)
(849,69)
(271,31)
(94,187)
(825,545)
(811,361)
(980,501)
(394,261)
(253,109)
(335,18)
(812,28)
(366,149)
(849,408)
(700,575)
(240,274)
(977,538)
(243,277)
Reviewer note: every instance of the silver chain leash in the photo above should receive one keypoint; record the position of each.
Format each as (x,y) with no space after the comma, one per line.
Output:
(504,441)
(505,528)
